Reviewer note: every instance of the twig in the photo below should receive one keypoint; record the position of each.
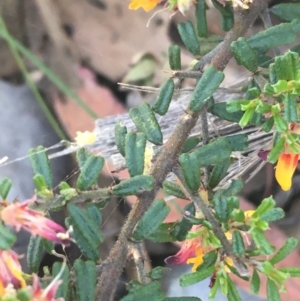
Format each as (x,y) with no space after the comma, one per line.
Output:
(199,202)
(185,74)
(137,250)
(165,161)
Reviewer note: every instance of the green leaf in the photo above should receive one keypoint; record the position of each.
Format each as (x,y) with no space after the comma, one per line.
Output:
(263,108)
(245,120)
(146,122)
(85,280)
(201,21)
(94,213)
(120,134)
(62,290)
(90,172)
(216,151)
(222,209)
(174,57)
(234,188)
(191,170)
(272,215)
(135,145)
(7,238)
(209,260)
(22,295)
(233,294)
(181,228)
(236,105)
(261,241)
(188,35)
(286,11)
(268,125)
(171,188)
(156,273)
(272,291)
(276,151)
(287,66)
(238,243)
(255,282)
(218,173)
(227,16)
(290,107)
(48,245)
(162,234)
(82,155)
(182,299)
(5,186)
(133,186)
(35,253)
(244,54)
(151,291)
(151,220)
(86,233)
(39,182)
(237,142)
(41,164)
(293,271)
(189,279)
(162,102)
(190,144)
(273,37)
(290,244)
(206,86)
(266,205)
(220,110)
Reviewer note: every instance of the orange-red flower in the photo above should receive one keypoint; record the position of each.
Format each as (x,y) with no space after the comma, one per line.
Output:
(46,294)
(286,166)
(10,271)
(147,5)
(19,215)
(189,249)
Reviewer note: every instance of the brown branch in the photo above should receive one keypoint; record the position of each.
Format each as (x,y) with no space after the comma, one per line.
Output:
(107,284)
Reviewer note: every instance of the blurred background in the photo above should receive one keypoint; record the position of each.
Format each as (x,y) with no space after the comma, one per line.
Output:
(91,46)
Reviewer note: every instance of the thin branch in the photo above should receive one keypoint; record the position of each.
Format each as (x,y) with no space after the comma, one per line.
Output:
(219,233)
(137,249)
(165,161)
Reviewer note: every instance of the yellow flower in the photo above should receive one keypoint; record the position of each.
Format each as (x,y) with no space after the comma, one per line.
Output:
(249,213)
(85,138)
(10,271)
(285,169)
(147,5)
(197,261)
(229,262)
(190,248)
(149,152)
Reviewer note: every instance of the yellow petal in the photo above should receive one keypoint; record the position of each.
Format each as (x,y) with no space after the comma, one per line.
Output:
(249,213)
(149,152)
(147,5)
(85,138)
(229,261)
(228,235)
(196,261)
(285,169)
